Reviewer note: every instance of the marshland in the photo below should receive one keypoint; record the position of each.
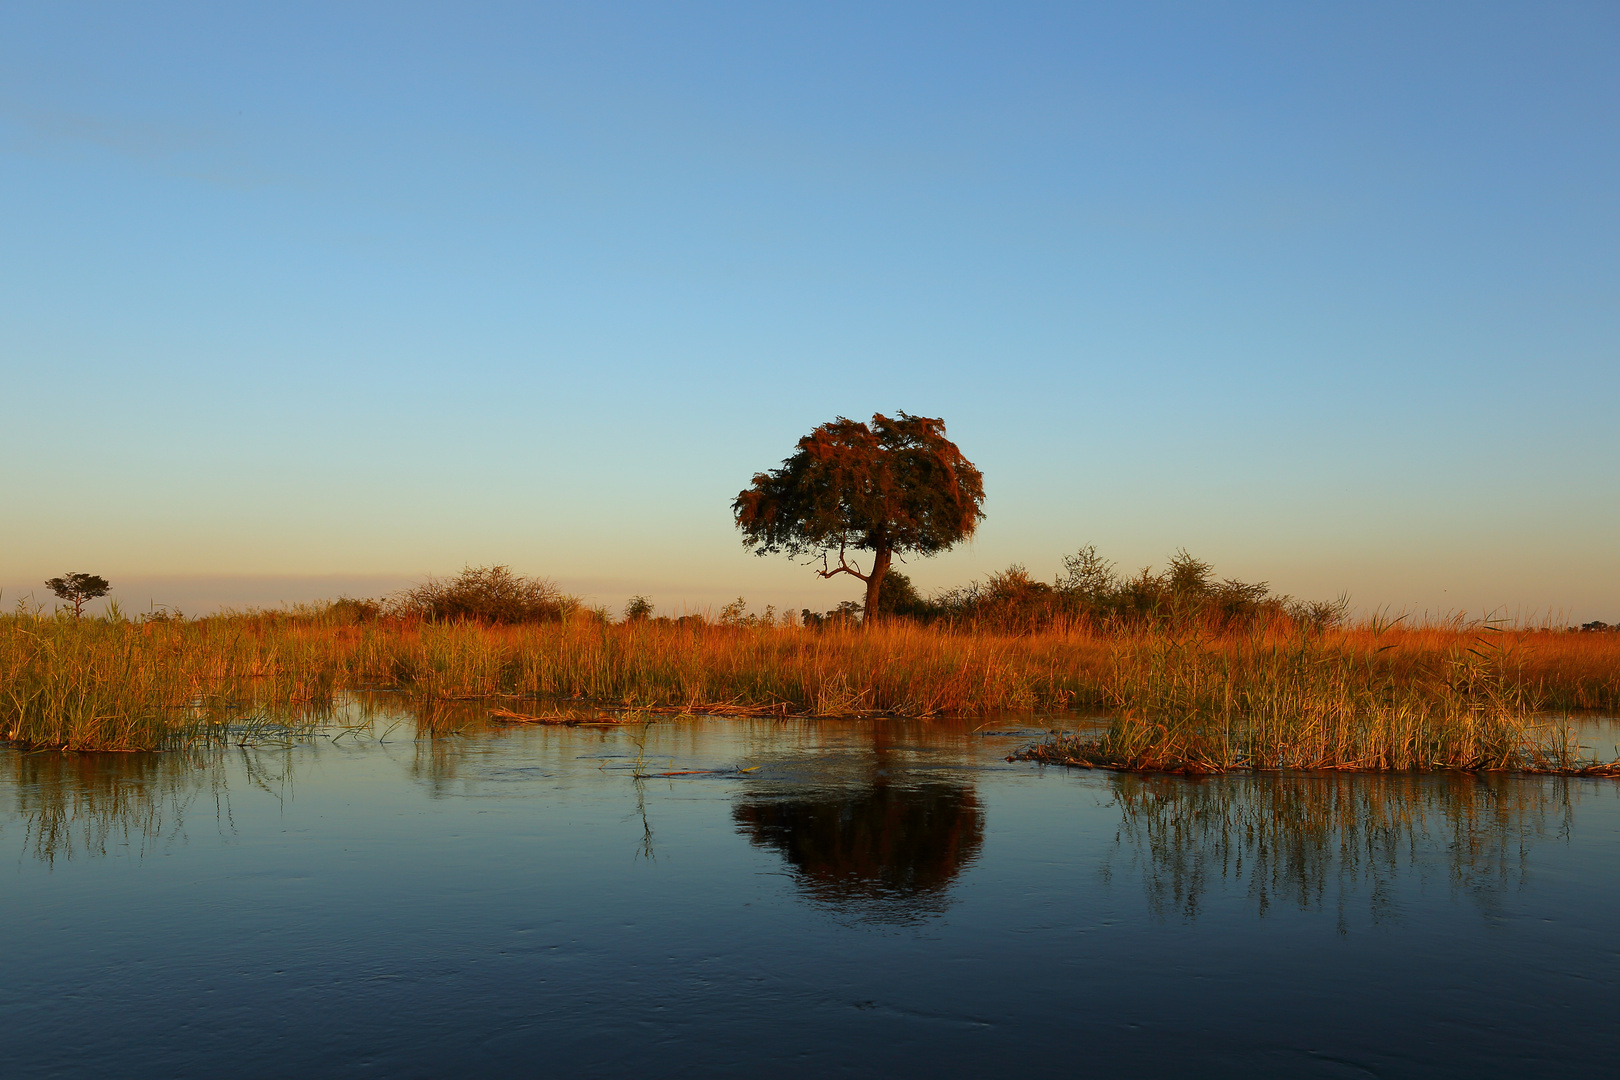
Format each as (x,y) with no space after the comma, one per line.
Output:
(873,313)
(890,836)
(1191,674)
(480,811)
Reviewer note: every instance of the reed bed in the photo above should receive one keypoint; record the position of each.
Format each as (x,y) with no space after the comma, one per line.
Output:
(1364,697)
(1343,701)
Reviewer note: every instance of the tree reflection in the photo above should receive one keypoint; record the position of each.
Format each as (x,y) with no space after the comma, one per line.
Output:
(883,852)
(1315,841)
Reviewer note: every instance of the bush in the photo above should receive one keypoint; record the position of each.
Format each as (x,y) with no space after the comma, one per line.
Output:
(490,594)
(898,596)
(350,609)
(736,614)
(1088,590)
(847,613)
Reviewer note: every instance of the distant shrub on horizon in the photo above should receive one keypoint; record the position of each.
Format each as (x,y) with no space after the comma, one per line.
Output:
(1088,589)
(356,609)
(491,594)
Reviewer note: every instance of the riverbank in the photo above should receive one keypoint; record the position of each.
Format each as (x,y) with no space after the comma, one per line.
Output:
(1312,702)
(1382,697)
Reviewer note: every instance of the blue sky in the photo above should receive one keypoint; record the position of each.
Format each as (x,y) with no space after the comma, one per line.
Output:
(305,299)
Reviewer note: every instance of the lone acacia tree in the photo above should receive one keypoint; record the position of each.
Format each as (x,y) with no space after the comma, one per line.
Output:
(78,589)
(896,486)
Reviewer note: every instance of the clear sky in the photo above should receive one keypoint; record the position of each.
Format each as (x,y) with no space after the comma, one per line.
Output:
(299,299)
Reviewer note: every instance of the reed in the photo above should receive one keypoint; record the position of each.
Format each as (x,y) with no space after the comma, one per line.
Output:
(1279,696)
(1315,701)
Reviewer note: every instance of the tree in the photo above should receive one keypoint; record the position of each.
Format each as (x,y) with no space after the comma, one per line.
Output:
(79,589)
(896,487)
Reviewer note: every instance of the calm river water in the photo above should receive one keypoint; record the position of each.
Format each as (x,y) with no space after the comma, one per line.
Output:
(868,899)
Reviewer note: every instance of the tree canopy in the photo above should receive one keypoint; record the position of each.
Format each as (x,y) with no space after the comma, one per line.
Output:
(896,486)
(79,589)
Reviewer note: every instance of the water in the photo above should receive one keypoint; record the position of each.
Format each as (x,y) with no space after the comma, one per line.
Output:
(871,899)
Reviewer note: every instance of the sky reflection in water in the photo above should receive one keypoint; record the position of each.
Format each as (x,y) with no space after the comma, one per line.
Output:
(870,898)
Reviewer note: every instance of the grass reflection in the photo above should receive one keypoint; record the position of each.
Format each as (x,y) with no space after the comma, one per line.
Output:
(1332,842)
(92,805)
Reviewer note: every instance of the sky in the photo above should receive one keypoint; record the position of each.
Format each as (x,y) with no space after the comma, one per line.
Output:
(301,300)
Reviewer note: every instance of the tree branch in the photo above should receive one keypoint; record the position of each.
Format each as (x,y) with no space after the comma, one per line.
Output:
(843,566)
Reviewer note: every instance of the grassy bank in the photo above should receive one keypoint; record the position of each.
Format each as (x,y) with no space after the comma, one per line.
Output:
(1343,701)
(1352,696)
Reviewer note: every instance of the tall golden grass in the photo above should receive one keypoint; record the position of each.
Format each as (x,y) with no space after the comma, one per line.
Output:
(117,685)
(1341,701)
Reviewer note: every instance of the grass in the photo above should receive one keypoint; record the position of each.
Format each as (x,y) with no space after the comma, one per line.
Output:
(1363,697)
(1426,701)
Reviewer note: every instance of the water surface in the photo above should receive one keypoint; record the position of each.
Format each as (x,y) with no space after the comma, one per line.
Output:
(841,898)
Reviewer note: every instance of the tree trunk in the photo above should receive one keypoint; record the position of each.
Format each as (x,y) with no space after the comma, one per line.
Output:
(880,566)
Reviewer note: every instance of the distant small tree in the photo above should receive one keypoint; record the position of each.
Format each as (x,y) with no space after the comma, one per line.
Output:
(638,609)
(1087,577)
(79,589)
(734,613)
(896,487)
